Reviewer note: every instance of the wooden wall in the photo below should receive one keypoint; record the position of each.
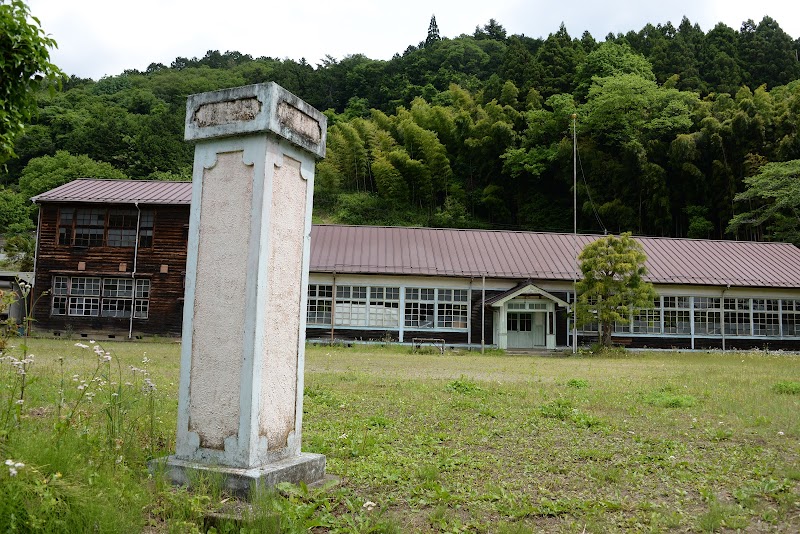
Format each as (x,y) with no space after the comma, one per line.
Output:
(170,233)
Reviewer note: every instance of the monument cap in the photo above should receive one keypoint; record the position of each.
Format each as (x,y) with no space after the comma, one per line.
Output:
(265,107)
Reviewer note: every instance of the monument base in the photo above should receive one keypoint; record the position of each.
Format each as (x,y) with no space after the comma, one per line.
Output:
(306,467)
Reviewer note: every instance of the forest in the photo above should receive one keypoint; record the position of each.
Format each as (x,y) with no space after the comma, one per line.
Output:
(679,132)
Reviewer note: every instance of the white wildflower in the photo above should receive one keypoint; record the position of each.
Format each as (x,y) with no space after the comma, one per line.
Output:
(19,401)
(12,472)
(369,506)
(81,345)
(780,433)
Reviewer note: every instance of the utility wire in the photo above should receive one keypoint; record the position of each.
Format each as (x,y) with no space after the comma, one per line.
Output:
(589,194)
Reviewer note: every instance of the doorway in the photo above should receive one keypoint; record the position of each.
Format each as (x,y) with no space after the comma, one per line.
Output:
(525,329)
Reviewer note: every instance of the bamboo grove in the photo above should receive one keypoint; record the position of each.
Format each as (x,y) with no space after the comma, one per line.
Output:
(680,132)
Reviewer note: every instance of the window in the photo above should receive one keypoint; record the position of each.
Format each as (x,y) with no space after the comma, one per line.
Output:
(707,316)
(790,313)
(122,228)
(420,307)
(84,286)
(452,308)
(84,306)
(594,326)
(89,227)
(146,229)
(737,317)
(351,306)
(82,296)
(765,317)
(65,226)
(648,321)
(96,227)
(519,322)
(384,306)
(319,304)
(118,287)
(677,316)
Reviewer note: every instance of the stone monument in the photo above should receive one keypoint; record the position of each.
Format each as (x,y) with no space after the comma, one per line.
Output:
(241,382)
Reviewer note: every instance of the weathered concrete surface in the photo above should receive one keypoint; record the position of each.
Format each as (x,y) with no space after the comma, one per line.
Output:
(305,467)
(241,390)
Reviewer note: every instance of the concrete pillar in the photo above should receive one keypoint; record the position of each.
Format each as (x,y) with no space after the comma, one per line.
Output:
(241,384)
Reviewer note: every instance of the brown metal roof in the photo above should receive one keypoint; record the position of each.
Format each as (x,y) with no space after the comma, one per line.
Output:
(548,256)
(475,253)
(119,192)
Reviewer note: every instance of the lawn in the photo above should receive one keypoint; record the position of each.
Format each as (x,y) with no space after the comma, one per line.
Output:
(641,442)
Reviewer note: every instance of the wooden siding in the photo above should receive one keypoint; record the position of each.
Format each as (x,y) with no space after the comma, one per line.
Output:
(165,315)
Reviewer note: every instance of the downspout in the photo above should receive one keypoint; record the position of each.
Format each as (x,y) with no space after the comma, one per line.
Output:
(333,306)
(722,316)
(483,313)
(133,273)
(32,294)
(469,314)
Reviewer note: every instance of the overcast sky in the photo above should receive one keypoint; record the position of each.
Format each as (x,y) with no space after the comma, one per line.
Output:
(97,38)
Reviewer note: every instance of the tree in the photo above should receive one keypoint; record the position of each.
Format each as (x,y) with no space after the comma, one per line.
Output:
(47,172)
(774,197)
(24,68)
(20,247)
(14,209)
(613,285)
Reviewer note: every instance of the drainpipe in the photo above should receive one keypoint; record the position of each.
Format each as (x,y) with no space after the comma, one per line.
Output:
(483,313)
(722,315)
(333,306)
(133,273)
(32,294)
(469,314)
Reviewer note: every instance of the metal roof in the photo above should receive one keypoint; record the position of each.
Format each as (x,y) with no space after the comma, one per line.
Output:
(547,256)
(491,253)
(119,192)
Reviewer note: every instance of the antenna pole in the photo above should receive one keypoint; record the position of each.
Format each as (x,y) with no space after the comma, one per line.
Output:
(574,235)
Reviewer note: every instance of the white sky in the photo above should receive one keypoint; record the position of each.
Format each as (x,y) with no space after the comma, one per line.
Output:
(104,37)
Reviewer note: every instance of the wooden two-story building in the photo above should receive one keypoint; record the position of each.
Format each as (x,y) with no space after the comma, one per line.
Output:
(111,255)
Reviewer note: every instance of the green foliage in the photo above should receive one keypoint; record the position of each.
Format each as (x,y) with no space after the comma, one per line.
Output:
(666,397)
(613,285)
(577,383)
(20,247)
(47,172)
(775,193)
(24,68)
(475,130)
(787,387)
(15,209)
(464,386)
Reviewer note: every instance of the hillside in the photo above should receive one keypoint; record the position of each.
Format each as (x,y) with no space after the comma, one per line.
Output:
(476,130)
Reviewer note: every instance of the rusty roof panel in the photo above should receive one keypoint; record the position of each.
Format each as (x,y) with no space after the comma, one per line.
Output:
(119,192)
(536,255)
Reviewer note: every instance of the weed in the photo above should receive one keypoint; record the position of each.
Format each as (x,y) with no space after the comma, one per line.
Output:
(666,397)
(787,387)
(577,383)
(463,385)
(558,409)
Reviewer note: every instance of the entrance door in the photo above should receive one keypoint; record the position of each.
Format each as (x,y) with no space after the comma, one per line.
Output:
(520,330)
(525,330)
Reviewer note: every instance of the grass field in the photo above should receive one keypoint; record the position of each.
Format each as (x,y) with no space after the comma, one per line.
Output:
(640,442)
